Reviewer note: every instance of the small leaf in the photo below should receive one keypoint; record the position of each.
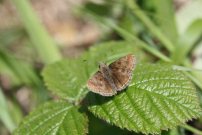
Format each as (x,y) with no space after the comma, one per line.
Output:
(158,98)
(66,78)
(55,118)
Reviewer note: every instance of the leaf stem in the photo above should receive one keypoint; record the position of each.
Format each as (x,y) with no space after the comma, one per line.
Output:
(150,25)
(194,130)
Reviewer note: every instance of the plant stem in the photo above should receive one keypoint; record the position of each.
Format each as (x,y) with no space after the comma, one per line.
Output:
(194,130)
(129,37)
(42,42)
(190,38)
(5,116)
(150,25)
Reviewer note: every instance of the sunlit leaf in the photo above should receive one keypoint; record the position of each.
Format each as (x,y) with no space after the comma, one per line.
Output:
(158,98)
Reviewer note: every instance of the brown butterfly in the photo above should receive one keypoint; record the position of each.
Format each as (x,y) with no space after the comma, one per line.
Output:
(115,77)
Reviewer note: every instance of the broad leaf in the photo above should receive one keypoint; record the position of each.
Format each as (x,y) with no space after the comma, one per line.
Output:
(54,118)
(67,78)
(158,98)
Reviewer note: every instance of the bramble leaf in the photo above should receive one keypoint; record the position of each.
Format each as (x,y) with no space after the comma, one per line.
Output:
(55,118)
(66,78)
(158,98)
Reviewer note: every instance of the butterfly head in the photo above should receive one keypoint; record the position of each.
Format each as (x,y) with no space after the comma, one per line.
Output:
(103,67)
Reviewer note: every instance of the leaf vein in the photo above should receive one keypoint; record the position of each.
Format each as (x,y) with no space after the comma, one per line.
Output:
(43,122)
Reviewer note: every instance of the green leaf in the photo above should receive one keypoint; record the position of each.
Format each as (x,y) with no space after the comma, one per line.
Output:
(110,51)
(54,118)
(67,78)
(158,98)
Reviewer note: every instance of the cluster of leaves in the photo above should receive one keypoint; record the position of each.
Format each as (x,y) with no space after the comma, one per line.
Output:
(158,97)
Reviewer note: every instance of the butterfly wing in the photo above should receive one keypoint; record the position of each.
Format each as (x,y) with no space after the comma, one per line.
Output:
(98,84)
(122,70)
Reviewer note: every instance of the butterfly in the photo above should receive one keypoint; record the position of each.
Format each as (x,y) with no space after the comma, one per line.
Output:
(113,77)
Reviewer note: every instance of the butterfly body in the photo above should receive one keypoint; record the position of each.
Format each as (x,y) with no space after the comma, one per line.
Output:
(107,74)
(115,77)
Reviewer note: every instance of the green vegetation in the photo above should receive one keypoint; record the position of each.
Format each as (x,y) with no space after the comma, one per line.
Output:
(165,93)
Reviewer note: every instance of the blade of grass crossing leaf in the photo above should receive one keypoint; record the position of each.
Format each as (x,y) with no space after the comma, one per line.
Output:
(129,37)
(44,45)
